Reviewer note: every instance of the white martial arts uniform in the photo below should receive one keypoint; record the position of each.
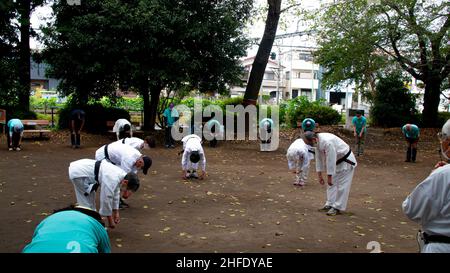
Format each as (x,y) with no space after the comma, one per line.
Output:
(119,125)
(123,156)
(192,143)
(265,135)
(299,157)
(134,142)
(82,175)
(331,148)
(429,205)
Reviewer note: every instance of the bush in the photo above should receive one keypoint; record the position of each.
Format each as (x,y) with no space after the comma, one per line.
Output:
(300,108)
(96,117)
(393,105)
(16,112)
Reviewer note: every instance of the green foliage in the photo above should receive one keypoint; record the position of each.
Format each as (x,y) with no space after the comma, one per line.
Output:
(393,105)
(300,108)
(96,116)
(14,112)
(131,104)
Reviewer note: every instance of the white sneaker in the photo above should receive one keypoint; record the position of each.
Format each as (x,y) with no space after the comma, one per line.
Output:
(9,149)
(18,149)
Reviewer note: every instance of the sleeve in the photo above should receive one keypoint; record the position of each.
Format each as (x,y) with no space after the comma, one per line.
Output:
(175,113)
(116,128)
(319,161)
(331,157)
(165,113)
(10,128)
(426,200)
(106,201)
(185,160)
(127,164)
(354,121)
(116,199)
(303,159)
(104,245)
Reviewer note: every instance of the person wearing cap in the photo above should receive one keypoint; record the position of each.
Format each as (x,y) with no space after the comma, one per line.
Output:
(266,127)
(359,131)
(124,156)
(308,124)
(89,175)
(411,133)
(428,203)
(77,119)
(122,127)
(192,154)
(75,229)
(299,157)
(14,133)
(170,116)
(335,158)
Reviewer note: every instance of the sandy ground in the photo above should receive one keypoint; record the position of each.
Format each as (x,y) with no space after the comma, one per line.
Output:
(246,204)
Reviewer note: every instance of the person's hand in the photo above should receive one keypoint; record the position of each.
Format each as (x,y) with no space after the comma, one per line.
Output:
(360,135)
(202,176)
(116,216)
(184,176)
(330,180)
(440,164)
(354,133)
(111,223)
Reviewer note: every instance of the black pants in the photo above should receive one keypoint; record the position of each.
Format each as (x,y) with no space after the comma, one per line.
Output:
(168,136)
(75,137)
(15,139)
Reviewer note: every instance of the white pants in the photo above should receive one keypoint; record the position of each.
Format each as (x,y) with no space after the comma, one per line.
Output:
(337,195)
(436,248)
(80,189)
(192,166)
(303,176)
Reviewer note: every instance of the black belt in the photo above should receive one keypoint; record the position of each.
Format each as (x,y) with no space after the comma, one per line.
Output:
(311,151)
(345,159)
(96,171)
(107,154)
(435,239)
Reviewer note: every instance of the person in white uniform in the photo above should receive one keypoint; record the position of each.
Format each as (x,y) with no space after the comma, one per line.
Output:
(193,154)
(299,157)
(124,156)
(122,127)
(88,176)
(334,157)
(429,203)
(265,133)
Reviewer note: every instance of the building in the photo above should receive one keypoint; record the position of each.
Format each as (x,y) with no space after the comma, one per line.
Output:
(38,77)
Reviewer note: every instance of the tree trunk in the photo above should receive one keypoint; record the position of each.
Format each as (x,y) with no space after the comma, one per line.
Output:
(143,89)
(431,101)
(155,92)
(24,54)
(262,56)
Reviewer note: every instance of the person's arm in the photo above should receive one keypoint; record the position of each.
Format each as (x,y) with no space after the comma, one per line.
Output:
(106,205)
(330,152)
(81,126)
(354,126)
(363,128)
(319,165)
(203,165)
(184,163)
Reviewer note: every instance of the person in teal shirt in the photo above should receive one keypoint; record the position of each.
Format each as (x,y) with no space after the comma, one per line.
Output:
(170,116)
(411,132)
(308,124)
(14,133)
(216,130)
(74,229)
(359,131)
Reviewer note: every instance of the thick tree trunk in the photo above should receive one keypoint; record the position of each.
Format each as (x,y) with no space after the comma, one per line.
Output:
(143,89)
(262,56)
(24,54)
(155,92)
(431,101)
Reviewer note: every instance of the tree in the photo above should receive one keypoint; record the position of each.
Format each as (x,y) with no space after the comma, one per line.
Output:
(367,38)
(149,44)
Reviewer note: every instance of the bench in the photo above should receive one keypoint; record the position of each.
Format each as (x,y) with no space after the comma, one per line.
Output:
(36,126)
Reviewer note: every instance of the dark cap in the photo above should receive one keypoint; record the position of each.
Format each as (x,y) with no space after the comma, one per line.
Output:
(147,164)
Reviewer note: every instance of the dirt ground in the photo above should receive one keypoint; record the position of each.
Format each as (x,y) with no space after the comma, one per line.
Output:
(246,204)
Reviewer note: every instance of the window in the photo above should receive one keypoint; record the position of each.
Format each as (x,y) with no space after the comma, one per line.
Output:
(288,75)
(294,93)
(269,76)
(306,92)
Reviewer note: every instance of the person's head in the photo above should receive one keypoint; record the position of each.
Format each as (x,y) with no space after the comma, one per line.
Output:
(310,138)
(144,163)
(358,113)
(444,137)
(171,105)
(308,124)
(149,142)
(129,185)
(18,128)
(408,127)
(194,157)
(126,128)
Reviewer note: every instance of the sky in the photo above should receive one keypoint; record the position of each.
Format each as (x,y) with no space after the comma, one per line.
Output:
(43,14)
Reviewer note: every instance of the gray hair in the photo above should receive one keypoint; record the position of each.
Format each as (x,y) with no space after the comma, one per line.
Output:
(446,129)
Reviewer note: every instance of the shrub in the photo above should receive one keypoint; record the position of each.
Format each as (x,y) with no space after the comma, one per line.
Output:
(96,117)
(16,112)
(300,108)
(393,105)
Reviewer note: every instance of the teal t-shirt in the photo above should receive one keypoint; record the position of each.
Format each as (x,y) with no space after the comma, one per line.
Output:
(170,115)
(359,123)
(413,133)
(261,124)
(13,123)
(69,232)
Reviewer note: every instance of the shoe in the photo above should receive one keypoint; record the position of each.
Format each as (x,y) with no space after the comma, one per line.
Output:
(333,212)
(194,175)
(167,146)
(18,149)
(123,205)
(9,149)
(172,147)
(326,208)
(299,183)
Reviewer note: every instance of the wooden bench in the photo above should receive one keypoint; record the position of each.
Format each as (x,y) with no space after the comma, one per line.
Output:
(36,126)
